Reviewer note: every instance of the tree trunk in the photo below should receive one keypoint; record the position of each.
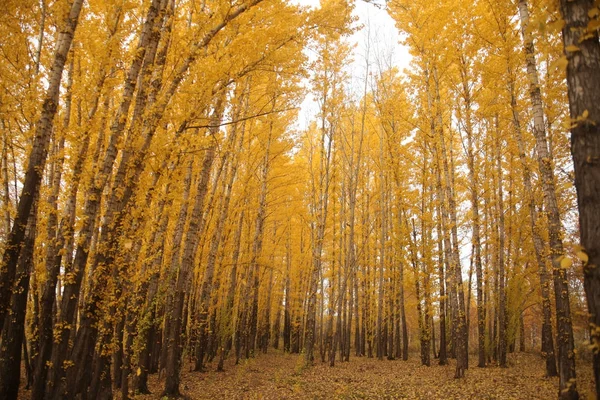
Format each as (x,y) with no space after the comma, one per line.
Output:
(174,319)
(287,317)
(207,282)
(459,322)
(402,308)
(538,244)
(583,72)
(475,223)
(13,331)
(37,159)
(501,239)
(71,289)
(320,206)
(565,342)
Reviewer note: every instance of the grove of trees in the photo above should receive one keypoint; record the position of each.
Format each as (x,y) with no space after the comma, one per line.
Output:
(162,207)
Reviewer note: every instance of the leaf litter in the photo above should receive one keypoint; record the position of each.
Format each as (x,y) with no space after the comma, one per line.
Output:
(282,376)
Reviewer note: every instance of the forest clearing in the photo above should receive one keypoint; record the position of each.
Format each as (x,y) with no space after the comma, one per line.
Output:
(282,199)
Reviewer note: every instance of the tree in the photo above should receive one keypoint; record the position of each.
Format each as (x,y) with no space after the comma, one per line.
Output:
(566,359)
(37,158)
(582,52)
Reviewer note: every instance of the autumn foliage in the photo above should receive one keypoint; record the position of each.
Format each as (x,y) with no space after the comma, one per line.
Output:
(166,211)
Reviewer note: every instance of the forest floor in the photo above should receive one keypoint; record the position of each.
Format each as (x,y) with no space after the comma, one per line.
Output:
(281,376)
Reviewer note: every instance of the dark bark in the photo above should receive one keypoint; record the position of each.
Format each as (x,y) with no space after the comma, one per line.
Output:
(502,313)
(174,321)
(287,317)
(13,331)
(37,159)
(103,266)
(91,209)
(443,356)
(565,341)
(583,79)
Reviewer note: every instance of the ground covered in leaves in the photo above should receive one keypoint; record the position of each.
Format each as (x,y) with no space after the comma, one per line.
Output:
(281,376)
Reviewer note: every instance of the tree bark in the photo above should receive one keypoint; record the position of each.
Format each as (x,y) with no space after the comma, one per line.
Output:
(447,194)
(174,319)
(382,240)
(319,214)
(583,72)
(72,286)
(13,331)
(475,222)
(501,253)
(37,158)
(206,288)
(565,342)
(538,244)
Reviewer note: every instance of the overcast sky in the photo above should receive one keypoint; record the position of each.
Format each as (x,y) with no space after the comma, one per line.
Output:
(384,38)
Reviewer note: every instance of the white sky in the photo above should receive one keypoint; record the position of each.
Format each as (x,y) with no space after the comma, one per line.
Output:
(379,29)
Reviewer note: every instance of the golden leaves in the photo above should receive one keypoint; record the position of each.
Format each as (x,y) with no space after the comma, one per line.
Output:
(581,118)
(561,63)
(566,262)
(593,25)
(582,256)
(579,254)
(556,25)
(572,48)
(273,376)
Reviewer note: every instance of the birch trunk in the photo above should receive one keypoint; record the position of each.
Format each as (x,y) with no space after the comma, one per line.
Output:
(207,282)
(91,209)
(320,207)
(455,271)
(475,222)
(443,356)
(174,319)
(382,237)
(501,253)
(538,244)
(37,158)
(565,341)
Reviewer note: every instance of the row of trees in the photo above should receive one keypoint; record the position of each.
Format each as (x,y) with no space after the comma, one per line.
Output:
(130,178)
(160,207)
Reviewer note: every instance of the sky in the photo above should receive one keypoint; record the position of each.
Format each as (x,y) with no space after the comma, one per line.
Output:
(379,29)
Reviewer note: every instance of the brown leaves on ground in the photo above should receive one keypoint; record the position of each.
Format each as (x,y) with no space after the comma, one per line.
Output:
(282,376)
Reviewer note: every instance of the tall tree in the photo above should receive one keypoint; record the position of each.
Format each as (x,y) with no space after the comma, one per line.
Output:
(565,342)
(37,157)
(582,52)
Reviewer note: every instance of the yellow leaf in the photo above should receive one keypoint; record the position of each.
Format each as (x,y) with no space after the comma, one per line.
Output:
(593,25)
(566,263)
(582,255)
(561,63)
(556,25)
(572,48)
(138,372)
(585,114)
